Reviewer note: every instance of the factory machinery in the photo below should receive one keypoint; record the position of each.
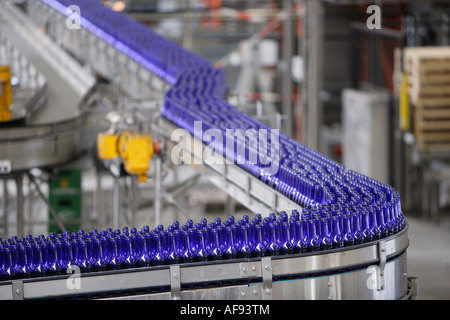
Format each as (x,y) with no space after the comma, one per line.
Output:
(319,231)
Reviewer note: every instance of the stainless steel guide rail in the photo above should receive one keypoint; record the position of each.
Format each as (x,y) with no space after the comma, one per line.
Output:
(336,274)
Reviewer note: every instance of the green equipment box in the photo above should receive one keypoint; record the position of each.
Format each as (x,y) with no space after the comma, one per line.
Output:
(65,196)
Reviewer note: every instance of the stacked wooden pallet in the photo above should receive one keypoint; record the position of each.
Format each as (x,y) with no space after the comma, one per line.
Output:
(428,71)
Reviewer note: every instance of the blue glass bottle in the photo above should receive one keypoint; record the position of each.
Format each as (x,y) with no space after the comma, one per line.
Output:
(338,239)
(221,238)
(230,221)
(149,248)
(374,224)
(140,258)
(105,256)
(274,239)
(202,245)
(357,228)
(314,237)
(390,224)
(381,222)
(293,234)
(95,254)
(188,225)
(216,252)
(326,239)
(295,215)
(283,216)
(159,243)
(300,244)
(349,240)
(208,242)
(182,246)
(38,259)
(193,243)
(246,247)
(237,239)
(24,268)
(13,254)
(83,261)
(61,255)
(285,238)
(8,269)
(52,265)
(272,217)
(366,228)
(257,218)
(114,252)
(173,253)
(259,247)
(2,261)
(167,245)
(146,229)
(125,250)
(229,252)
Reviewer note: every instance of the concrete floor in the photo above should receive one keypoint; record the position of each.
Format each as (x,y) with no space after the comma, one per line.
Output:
(429,256)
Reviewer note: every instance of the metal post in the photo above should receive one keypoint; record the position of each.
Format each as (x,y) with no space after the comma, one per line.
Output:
(312,107)
(133,201)
(99,201)
(158,191)
(5,206)
(116,203)
(29,204)
(187,30)
(287,80)
(19,206)
(415,288)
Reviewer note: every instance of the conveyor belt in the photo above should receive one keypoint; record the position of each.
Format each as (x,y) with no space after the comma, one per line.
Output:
(320,185)
(365,209)
(333,274)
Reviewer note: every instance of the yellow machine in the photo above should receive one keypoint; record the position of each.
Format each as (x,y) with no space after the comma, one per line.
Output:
(134,148)
(5,93)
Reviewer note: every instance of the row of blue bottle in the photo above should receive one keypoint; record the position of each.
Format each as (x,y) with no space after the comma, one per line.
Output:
(231,239)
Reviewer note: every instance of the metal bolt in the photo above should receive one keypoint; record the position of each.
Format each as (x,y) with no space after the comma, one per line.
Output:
(329,284)
(268,291)
(330,298)
(175,276)
(255,292)
(383,250)
(253,268)
(243,293)
(267,268)
(18,291)
(244,269)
